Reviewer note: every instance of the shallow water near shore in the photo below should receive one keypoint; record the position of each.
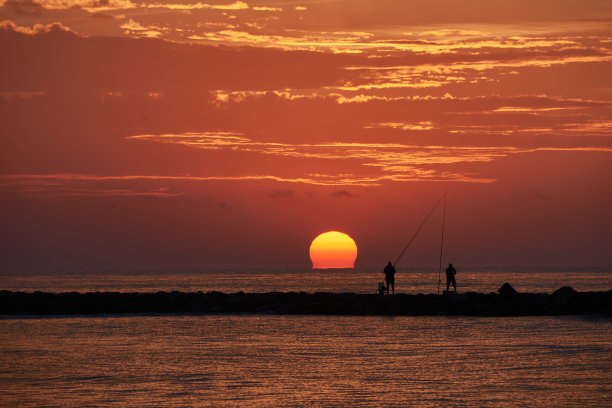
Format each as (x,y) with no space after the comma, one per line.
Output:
(365,280)
(306,361)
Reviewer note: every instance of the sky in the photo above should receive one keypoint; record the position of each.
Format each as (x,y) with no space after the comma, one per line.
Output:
(219,134)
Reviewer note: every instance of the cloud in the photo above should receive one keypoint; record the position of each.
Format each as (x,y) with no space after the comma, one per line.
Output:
(338,42)
(262,8)
(226,97)
(392,48)
(29,183)
(223,97)
(22,183)
(155,95)
(90,5)
(439,66)
(24,7)
(129,64)
(238,5)
(65,186)
(432,75)
(342,194)
(393,158)
(423,125)
(134,27)
(8,26)
(9,96)
(104,16)
(388,161)
(536,111)
(282,193)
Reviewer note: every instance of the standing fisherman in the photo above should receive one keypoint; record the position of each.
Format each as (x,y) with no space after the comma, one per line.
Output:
(450,277)
(390,277)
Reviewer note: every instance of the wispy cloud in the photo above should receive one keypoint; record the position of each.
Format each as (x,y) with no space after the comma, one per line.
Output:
(8,25)
(11,95)
(264,8)
(342,194)
(601,128)
(135,28)
(74,186)
(396,161)
(281,193)
(437,75)
(92,5)
(237,5)
(392,162)
(336,42)
(424,125)
(29,184)
(373,154)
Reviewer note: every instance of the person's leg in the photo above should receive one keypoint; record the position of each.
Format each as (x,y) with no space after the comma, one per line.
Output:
(393,287)
(454,284)
(447,283)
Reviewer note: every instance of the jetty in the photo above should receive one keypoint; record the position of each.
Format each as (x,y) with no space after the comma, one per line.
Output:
(505,302)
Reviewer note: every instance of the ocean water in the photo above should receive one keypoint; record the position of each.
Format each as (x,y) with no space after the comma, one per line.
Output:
(294,361)
(408,280)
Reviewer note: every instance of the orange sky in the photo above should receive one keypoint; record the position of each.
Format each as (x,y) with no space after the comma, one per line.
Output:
(229,134)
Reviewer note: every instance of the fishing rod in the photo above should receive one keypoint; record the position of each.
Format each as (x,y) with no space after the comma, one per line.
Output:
(419,229)
(442,241)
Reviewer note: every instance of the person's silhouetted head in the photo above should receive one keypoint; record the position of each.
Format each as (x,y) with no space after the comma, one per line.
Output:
(389,263)
(450,265)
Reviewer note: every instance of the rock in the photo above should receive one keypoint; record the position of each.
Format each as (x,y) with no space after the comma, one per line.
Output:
(563,301)
(507,289)
(565,291)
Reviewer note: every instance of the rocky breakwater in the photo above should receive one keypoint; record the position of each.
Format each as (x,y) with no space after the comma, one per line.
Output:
(506,302)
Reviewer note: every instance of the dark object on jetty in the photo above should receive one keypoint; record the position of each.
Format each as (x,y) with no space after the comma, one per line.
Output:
(507,289)
(563,301)
(565,291)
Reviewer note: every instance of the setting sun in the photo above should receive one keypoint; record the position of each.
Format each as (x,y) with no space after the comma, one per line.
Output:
(333,249)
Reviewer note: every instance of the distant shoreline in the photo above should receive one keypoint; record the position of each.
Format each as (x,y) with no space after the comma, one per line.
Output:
(564,301)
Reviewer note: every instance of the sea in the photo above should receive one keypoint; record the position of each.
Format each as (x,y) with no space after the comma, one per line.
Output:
(360,280)
(260,360)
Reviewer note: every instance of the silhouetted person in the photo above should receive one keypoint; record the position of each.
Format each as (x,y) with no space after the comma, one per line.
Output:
(390,277)
(450,277)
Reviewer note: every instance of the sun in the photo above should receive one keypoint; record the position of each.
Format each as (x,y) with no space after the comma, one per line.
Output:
(333,249)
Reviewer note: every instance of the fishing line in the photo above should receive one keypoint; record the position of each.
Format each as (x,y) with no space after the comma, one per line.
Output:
(419,229)
(442,241)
